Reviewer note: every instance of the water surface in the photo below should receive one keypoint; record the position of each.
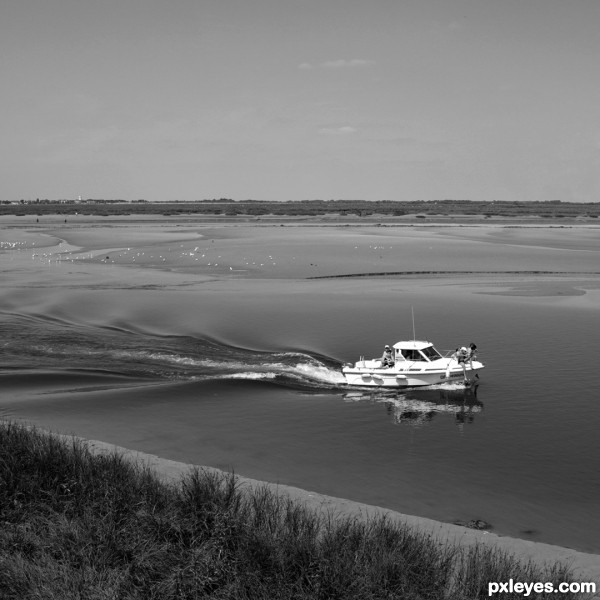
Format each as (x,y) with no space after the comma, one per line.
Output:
(241,370)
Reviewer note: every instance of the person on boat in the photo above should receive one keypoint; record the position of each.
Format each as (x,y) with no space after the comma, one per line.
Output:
(461,356)
(471,353)
(387,360)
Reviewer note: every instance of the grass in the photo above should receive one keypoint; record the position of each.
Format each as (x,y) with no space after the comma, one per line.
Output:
(78,525)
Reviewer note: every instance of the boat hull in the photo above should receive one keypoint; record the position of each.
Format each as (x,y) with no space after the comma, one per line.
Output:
(411,377)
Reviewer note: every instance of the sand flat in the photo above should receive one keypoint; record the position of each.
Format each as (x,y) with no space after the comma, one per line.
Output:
(300,251)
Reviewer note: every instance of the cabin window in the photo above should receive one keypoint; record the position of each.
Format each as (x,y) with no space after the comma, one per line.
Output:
(412,355)
(428,353)
(431,353)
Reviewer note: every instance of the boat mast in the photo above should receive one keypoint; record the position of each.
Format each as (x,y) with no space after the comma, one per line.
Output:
(412,310)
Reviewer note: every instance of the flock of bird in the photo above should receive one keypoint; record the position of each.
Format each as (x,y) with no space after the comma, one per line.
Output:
(178,256)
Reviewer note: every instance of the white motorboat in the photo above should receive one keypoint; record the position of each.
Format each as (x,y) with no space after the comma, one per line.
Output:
(415,363)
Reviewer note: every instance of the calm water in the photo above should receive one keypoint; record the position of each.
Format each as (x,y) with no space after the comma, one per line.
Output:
(244,375)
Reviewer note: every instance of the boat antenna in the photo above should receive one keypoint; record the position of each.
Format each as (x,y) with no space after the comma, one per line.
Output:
(412,310)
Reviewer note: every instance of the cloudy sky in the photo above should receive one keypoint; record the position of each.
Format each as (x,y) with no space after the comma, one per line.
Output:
(297,99)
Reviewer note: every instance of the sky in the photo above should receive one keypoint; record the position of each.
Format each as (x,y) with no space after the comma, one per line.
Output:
(300,99)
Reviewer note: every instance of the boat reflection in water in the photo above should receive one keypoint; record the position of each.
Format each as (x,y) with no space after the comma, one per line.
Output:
(418,407)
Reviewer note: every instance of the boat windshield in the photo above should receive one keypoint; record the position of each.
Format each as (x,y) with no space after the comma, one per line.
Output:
(431,353)
(412,354)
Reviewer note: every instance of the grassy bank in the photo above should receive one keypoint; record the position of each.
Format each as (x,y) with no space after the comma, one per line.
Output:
(79,525)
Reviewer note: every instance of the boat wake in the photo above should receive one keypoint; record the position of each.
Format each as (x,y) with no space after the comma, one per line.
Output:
(50,356)
(52,345)
(36,343)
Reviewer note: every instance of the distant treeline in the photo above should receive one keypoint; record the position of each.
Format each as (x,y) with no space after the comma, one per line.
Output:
(307,208)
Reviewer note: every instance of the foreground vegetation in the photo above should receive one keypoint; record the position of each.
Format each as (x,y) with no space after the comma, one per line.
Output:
(439,209)
(79,525)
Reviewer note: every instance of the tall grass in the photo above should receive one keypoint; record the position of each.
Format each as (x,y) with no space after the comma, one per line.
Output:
(77,525)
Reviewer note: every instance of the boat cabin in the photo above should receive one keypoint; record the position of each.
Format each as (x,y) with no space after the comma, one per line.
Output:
(415,351)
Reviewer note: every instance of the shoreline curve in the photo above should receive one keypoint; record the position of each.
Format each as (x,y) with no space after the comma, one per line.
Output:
(585,566)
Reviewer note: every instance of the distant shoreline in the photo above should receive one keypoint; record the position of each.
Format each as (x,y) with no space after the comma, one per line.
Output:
(34,221)
(353,211)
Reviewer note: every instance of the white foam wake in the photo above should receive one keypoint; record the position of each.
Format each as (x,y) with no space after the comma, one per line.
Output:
(320,373)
